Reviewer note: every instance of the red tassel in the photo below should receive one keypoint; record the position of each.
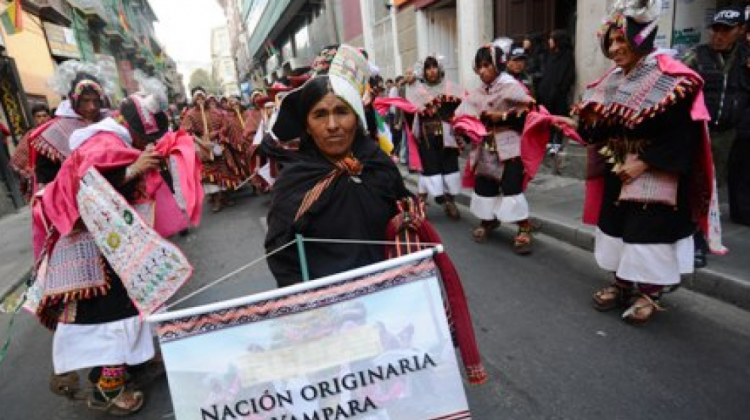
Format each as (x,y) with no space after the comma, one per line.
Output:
(409,229)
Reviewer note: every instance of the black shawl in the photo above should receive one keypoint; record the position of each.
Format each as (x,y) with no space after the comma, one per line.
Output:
(347,209)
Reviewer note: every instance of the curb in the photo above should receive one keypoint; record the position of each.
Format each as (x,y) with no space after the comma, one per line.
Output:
(706,281)
(13,286)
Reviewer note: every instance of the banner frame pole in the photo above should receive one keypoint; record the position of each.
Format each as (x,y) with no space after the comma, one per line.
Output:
(302,258)
(301,287)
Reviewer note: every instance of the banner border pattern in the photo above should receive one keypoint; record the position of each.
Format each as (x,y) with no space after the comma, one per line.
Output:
(191,326)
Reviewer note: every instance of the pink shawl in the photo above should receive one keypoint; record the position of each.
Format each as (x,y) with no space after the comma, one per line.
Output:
(382,105)
(106,151)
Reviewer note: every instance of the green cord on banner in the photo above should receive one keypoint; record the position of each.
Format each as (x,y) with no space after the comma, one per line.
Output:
(302,258)
(4,350)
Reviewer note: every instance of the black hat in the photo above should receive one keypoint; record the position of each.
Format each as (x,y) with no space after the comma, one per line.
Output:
(516,51)
(729,16)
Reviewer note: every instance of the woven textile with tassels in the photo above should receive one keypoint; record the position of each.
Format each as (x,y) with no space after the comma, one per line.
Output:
(409,229)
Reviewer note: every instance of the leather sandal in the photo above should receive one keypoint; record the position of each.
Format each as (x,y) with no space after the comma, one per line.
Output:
(451,210)
(611,297)
(522,241)
(642,310)
(67,385)
(482,232)
(126,402)
(215,204)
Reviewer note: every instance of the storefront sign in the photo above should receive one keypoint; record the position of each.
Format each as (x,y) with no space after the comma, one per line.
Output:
(691,20)
(666,21)
(352,346)
(62,41)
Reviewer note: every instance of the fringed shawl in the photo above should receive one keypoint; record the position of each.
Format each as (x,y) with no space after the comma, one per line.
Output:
(656,84)
(422,95)
(51,138)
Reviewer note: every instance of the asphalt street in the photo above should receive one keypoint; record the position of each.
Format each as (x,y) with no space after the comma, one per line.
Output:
(548,353)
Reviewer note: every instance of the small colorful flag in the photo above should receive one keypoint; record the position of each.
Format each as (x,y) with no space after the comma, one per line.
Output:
(123,19)
(12,18)
(384,135)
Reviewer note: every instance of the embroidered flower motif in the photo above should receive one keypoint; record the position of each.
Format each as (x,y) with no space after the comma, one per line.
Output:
(128,216)
(113,240)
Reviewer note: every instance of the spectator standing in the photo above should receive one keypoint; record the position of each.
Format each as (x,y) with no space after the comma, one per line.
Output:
(516,67)
(535,56)
(21,160)
(396,119)
(554,89)
(722,63)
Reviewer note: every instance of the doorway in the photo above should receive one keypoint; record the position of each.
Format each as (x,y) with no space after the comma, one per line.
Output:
(442,38)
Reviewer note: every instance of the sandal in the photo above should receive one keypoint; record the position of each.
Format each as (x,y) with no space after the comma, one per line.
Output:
(215,204)
(126,402)
(451,210)
(67,385)
(522,241)
(611,297)
(146,373)
(482,232)
(642,310)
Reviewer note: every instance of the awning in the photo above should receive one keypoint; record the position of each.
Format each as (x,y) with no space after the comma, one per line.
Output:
(271,15)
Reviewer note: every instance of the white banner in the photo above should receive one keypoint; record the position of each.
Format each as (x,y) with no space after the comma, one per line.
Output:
(370,346)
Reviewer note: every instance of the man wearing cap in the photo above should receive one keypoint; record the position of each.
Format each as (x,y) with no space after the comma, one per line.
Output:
(516,66)
(722,64)
(719,62)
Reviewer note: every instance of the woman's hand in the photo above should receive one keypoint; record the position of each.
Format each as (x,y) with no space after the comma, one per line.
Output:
(632,170)
(367,98)
(149,160)
(561,122)
(493,116)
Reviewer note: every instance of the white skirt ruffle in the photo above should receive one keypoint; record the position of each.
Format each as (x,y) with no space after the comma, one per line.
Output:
(439,185)
(127,341)
(660,264)
(509,209)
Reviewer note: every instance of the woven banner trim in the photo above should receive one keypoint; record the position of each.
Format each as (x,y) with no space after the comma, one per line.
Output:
(275,308)
(461,415)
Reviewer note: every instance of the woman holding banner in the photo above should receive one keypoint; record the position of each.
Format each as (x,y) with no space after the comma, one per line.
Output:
(339,185)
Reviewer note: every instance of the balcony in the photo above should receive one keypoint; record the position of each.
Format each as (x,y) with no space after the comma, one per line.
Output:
(93,10)
(54,11)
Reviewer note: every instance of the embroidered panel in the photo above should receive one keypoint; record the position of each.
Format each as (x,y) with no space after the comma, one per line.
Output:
(151,268)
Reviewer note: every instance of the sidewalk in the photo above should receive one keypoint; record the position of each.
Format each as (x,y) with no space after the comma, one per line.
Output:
(557,207)
(16,255)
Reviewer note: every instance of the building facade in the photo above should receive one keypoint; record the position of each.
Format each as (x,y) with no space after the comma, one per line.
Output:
(222,61)
(397,33)
(116,34)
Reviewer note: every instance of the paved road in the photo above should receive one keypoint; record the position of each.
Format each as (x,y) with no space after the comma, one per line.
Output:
(550,356)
